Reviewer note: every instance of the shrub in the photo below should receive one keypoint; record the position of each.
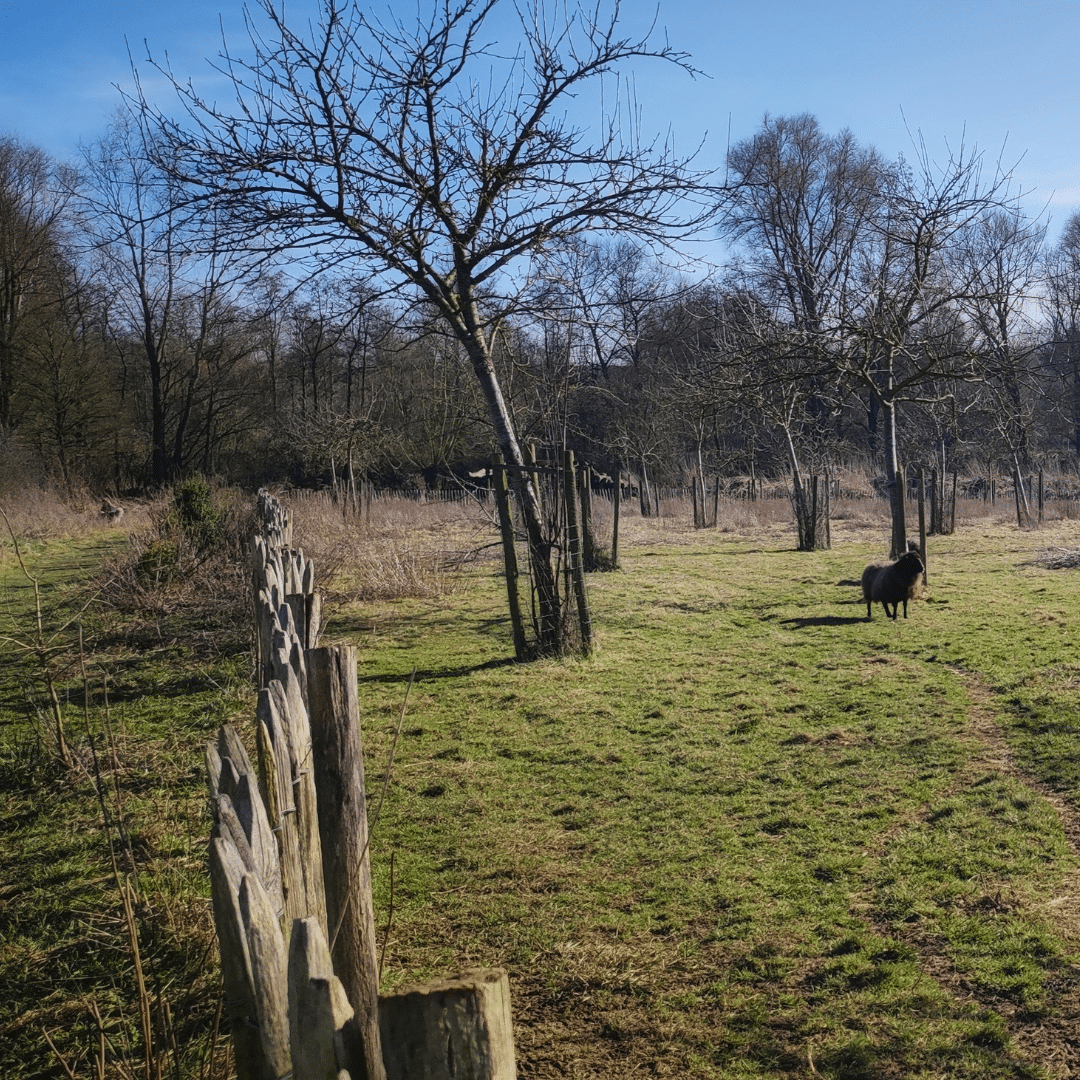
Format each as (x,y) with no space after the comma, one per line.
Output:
(194,511)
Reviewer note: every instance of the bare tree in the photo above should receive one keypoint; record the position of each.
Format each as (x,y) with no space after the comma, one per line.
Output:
(804,205)
(904,329)
(66,400)
(1062,307)
(171,301)
(442,160)
(35,197)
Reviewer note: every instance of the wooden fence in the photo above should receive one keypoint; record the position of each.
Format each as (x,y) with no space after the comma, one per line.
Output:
(290,874)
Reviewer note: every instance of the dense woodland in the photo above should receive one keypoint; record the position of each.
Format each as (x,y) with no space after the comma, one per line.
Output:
(871,312)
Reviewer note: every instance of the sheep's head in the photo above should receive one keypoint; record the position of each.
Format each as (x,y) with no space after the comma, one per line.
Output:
(911,564)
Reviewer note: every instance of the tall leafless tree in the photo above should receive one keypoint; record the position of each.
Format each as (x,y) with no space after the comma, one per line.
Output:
(1061,306)
(802,203)
(440,157)
(35,198)
(904,329)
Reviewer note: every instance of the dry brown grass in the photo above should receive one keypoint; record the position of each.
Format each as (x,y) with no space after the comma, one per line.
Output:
(43,513)
(401,548)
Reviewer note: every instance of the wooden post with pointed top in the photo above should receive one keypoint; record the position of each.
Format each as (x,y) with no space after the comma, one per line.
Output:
(338,761)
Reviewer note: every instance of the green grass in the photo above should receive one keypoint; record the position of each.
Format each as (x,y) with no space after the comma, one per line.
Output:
(754,830)
(153,693)
(754,835)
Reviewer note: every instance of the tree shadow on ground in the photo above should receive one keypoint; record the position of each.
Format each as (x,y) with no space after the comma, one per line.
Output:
(825,620)
(441,673)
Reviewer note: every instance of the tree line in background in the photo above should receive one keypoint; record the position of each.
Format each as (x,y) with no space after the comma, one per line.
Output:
(130,357)
(154,323)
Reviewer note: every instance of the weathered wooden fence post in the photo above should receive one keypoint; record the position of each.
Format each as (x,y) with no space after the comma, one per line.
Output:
(588,544)
(450,1029)
(617,508)
(338,760)
(323,1033)
(510,563)
(828,511)
(289,1013)
(573,541)
(922,523)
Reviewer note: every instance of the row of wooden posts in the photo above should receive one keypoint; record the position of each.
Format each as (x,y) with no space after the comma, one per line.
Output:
(290,873)
(572,487)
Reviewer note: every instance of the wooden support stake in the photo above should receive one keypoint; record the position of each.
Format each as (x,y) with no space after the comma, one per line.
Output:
(506,528)
(922,523)
(588,545)
(615,523)
(457,1028)
(577,569)
(338,757)
(828,511)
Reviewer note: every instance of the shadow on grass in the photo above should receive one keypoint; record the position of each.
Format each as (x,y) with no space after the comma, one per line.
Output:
(441,673)
(825,620)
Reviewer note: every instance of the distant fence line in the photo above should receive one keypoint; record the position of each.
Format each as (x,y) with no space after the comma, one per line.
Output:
(1058,488)
(290,873)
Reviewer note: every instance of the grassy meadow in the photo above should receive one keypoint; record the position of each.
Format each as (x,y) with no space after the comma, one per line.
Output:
(754,835)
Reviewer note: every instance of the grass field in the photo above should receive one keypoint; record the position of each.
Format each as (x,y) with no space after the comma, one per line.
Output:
(755,835)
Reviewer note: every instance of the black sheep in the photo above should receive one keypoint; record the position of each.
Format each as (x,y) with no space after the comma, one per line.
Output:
(893,583)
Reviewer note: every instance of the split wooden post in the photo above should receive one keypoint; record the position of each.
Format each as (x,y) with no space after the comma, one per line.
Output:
(323,1036)
(227,871)
(577,569)
(615,523)
(457,1028)
(510,563)
(588,545)
(338,761)
(922,523)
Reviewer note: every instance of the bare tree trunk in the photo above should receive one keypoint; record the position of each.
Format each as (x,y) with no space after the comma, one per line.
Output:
(895,480)
(644,495)
(803,520)
(544,581)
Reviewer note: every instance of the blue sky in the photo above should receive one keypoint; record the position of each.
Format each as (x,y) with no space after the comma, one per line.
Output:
(1000,74)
